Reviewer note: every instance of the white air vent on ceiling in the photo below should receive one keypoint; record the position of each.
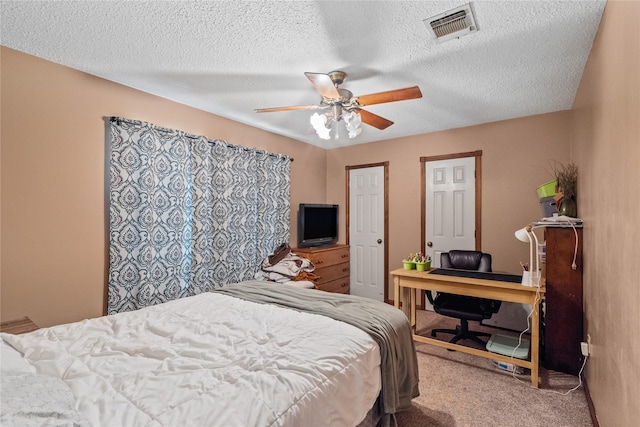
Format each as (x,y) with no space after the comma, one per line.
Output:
(452,24)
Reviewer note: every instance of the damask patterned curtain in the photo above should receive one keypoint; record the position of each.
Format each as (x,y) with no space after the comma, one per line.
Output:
(188,214)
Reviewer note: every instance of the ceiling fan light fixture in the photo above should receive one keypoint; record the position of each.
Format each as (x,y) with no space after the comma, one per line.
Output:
(340,104)
(324,124)
(352,121)
(319,123)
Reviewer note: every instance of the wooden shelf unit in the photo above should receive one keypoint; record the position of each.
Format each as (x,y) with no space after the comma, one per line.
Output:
(332,267)
(563,321)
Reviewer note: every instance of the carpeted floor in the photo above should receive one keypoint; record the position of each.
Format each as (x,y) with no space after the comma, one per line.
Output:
(458,389)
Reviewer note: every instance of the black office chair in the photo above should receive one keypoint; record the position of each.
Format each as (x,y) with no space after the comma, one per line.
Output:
(464,307)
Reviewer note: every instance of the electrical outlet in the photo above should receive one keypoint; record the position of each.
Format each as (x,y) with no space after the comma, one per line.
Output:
(585,347)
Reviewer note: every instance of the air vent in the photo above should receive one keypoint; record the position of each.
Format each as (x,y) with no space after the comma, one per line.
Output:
(452,24)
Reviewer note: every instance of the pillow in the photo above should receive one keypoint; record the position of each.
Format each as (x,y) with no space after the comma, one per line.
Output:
(11,360)
(29,399)
(301,284)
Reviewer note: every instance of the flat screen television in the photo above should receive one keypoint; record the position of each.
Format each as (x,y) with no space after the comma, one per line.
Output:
(317,225)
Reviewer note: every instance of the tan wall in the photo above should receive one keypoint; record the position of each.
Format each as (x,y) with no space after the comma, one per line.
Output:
(54,232)
(605,141)
(54,242)
(516,158)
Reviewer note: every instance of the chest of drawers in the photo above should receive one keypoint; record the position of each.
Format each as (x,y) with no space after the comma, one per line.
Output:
(332,267)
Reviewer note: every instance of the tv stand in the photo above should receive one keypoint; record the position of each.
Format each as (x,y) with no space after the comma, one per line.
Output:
(332,266)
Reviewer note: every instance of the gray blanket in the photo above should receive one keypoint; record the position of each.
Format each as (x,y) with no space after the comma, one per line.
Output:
(387,325)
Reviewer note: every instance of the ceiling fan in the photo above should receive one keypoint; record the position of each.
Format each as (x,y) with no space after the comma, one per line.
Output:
(341,104)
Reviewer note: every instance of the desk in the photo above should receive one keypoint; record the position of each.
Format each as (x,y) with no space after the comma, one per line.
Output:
(407,282)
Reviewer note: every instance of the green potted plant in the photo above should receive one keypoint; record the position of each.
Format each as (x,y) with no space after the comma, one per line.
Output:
(409,263)
(423,262)
(567,177)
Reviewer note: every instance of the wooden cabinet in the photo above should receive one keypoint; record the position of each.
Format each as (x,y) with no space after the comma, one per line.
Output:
(332,267)
(18,326)
(562,325)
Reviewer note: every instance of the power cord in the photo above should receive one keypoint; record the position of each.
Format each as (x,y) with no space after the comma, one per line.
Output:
(528,329)
(575,250)
(565,220)
(584,362)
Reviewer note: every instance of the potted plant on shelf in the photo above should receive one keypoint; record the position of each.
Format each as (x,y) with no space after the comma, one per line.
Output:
(567,177)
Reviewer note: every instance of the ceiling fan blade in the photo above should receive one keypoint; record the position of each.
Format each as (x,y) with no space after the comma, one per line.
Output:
(390,96)
(295,107)
(323,84)
(374,120)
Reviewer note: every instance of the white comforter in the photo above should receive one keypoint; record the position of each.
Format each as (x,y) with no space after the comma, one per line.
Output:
(211,360)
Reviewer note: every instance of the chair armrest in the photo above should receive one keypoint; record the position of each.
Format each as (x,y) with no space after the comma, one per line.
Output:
(429,294)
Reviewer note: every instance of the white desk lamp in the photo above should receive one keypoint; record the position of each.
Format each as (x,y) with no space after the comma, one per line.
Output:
(533,276)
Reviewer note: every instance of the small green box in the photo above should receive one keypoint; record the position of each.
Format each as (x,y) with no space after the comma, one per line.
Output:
(504,345)
(547,189)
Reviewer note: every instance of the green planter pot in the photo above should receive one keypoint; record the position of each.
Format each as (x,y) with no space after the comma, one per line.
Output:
(409,265)
(423,266)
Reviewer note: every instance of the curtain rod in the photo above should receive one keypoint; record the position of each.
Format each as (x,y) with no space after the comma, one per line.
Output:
(189,135)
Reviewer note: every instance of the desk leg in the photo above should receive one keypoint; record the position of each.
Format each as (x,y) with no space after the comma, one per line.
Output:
(413,308)
(403,300)
(408,307)
(396,292)
(535,341)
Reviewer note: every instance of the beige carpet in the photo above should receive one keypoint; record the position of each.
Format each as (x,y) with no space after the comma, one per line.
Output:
(458,389)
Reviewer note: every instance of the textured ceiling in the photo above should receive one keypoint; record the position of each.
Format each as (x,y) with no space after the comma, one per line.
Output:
(230,57)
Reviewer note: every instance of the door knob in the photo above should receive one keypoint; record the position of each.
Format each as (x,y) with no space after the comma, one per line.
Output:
(430,244)
(379,241)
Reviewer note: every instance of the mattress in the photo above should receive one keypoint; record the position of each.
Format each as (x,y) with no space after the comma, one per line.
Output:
(210,359)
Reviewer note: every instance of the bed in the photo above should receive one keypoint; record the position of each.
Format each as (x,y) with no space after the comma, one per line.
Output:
(248,354)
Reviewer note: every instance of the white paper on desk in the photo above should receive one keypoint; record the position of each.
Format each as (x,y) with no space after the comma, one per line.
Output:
(561,218)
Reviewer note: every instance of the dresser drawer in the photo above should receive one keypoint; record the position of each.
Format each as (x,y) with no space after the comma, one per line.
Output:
(332,267)
(325,257)
(340,286)
(333,272)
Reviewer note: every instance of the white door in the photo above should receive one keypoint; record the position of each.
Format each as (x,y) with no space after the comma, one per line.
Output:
(450,206)
(366,231)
